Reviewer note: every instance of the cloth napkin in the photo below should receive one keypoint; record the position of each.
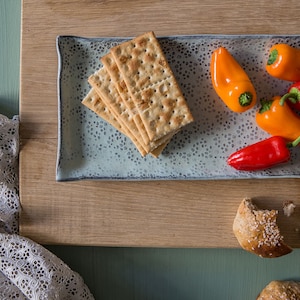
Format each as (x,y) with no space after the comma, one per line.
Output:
(27,269)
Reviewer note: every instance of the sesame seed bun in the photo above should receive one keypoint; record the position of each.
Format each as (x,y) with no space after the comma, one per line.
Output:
(257,232)
(283,290)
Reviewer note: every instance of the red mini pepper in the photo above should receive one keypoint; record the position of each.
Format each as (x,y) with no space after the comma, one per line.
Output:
(293,96)
(262,155)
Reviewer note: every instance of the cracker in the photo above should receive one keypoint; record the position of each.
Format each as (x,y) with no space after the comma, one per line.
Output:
(152,85)
(109,63)
(158,151)
(102,83)
(116,77)
(95,103)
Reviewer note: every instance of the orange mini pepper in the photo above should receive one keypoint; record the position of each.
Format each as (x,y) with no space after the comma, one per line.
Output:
(276,118)
(284,62)
(231,82)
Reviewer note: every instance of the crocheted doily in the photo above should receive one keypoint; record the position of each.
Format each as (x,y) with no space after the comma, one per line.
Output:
(27,270)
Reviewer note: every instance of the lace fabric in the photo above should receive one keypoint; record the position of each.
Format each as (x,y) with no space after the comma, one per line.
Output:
(9,184)
(27,270)
(38,273)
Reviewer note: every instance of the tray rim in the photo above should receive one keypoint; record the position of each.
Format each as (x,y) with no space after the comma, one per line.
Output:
(123,38)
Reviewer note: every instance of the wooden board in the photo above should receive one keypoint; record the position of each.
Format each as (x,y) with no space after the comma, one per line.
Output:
(158,213)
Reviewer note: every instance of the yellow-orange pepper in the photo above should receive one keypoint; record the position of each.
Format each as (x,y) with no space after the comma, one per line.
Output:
(284,62)
(276,118)
(231,82)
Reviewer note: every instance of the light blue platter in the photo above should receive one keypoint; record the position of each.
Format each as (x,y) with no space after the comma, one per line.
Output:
(89,148)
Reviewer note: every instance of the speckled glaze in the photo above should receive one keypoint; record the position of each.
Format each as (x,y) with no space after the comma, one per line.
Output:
(88,148)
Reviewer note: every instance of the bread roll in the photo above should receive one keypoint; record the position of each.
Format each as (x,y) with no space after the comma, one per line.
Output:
(257,232)
(280,290)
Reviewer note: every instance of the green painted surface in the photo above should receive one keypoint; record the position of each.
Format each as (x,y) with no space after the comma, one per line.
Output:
(160,274)
(10,20)
(141,273)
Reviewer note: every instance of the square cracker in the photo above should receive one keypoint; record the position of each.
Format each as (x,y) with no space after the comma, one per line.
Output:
(95,103)
(152,85)
(117,79)
(102,83)
(110,65)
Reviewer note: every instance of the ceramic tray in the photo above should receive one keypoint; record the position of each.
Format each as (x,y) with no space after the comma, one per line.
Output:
(89,148)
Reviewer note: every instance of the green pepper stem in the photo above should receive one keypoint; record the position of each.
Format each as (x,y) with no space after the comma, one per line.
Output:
(245,99)
(293,96)
(272,57)
(294,143)
(265,105)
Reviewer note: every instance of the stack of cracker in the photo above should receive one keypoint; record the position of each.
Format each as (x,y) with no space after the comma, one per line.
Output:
(136,92)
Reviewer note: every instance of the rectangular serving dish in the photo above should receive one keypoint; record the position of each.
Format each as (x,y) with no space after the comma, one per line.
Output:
(89,148)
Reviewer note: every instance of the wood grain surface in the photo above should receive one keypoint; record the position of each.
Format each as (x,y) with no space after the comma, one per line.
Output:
(158,213)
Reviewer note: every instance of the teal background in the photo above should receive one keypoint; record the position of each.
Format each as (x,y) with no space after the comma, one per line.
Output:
(145,273)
